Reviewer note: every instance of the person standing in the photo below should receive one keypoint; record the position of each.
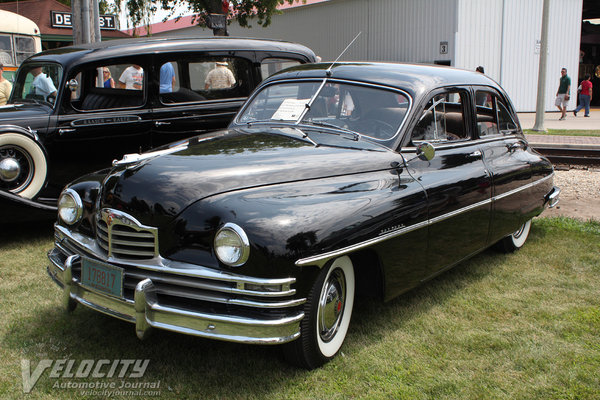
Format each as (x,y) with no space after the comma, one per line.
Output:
(167,78)
(220,77)
(562,94)
(5,87)
(585,96)
(132,78)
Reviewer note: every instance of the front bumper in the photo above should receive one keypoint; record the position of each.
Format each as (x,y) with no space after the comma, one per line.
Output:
(180,297)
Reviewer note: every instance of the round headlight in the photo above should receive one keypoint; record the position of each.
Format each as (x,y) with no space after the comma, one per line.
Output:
(70,207)
(232,245)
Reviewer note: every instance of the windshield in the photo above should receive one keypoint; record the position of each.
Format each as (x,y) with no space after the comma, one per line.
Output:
(37,82)
(370,111)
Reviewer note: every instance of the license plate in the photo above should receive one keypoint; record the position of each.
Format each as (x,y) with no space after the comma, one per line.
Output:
(102,277)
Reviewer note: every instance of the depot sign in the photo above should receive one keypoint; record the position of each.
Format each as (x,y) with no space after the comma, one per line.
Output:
(59,19)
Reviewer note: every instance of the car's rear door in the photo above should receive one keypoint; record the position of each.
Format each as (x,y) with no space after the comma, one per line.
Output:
(456,181)
(189,101)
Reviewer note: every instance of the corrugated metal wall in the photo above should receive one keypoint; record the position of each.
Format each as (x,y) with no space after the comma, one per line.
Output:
(501,35)
(479,36)
(392,30)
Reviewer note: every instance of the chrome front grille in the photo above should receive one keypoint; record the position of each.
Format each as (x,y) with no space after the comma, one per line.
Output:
(122,236)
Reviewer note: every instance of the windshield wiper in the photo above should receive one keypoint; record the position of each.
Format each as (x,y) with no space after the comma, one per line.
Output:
(355,135)
(260,121)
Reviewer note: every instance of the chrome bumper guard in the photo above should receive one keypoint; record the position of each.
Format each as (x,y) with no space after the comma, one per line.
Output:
(553,197)
(145,310)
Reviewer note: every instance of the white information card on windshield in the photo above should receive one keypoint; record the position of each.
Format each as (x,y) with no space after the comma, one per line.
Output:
(290,109)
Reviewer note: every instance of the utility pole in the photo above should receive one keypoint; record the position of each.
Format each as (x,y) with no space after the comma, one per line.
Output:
(86,21)
(540,106)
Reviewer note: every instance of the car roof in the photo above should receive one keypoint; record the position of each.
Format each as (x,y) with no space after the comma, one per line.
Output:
(117,48)
(414,78)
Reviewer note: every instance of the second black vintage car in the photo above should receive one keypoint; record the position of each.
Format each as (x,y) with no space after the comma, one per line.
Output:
(332,182)
(75,109)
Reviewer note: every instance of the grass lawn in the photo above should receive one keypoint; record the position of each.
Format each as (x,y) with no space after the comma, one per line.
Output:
(519,326)
(564,132)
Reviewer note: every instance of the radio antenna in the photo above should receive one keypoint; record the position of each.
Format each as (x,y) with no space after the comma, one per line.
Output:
(328,72)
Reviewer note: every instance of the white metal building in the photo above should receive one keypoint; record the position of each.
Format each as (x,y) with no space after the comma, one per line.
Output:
(501,35)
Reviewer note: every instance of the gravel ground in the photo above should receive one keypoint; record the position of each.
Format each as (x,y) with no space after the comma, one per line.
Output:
(580,194)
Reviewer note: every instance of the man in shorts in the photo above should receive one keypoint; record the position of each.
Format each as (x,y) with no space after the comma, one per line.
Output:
(562,94)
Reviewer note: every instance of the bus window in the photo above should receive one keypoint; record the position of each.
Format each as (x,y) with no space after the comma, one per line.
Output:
(24,47)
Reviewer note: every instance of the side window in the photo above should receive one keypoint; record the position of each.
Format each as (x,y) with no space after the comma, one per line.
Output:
(109,86)
(269,66)
(442,119)
(215,78)
(493,117)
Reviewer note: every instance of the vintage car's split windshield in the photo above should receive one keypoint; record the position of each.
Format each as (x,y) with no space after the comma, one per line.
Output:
(37,82)
(371,111)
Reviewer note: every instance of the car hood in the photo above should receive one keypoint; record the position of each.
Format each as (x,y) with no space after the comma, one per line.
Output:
(234,160)
(11,113)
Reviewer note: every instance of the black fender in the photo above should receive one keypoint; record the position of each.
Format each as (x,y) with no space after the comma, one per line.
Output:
(17,209)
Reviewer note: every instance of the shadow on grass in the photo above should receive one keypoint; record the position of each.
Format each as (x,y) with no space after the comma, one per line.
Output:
(27,231)
(188,366)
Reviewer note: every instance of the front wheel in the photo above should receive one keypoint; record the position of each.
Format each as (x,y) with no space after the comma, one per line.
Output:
(327,314)
(515,240)
(23,165)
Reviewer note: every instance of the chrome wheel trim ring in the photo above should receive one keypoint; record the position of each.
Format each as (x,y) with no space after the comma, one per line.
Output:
(331,305)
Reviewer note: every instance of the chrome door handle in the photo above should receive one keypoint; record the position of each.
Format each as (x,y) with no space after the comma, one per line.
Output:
(63,131)
(475,154)
(161,123)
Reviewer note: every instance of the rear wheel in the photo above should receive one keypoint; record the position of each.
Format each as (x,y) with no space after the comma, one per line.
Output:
(516,240)
(327,316)
(23,165)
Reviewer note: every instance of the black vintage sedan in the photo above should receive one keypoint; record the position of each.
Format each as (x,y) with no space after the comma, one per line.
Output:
(333,181)
(75,109)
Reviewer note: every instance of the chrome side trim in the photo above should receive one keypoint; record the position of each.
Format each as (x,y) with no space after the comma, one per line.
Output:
(524,187)
(320,259)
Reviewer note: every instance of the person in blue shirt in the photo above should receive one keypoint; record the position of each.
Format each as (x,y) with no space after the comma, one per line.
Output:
(167,78)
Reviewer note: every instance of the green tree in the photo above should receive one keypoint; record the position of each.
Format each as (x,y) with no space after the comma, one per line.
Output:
(207,12)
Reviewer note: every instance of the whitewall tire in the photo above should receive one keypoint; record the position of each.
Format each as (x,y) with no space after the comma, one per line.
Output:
(23,165)
(328,311)
(515,240)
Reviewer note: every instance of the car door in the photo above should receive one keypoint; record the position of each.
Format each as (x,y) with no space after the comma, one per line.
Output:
(508,157)
(101,118)
(456,181)
(198,93)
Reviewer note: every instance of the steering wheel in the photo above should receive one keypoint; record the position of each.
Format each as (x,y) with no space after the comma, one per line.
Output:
(375,127)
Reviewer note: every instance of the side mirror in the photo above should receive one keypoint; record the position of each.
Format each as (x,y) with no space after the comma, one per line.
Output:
(425,151)
(73,85)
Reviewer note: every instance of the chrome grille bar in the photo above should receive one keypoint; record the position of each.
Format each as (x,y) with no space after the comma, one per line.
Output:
(121,235)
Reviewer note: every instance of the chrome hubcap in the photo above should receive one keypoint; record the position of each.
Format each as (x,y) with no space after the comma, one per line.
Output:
(16,169)
(519,232)
(331,305)
(9,169)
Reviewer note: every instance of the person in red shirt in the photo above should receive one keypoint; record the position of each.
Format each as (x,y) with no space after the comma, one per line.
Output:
(585,96)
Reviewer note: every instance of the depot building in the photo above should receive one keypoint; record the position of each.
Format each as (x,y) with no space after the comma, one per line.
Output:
(54,20)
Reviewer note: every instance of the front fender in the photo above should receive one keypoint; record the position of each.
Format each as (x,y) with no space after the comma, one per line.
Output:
(23,131)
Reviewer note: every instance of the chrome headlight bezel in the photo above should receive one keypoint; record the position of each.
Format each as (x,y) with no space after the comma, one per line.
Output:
(232,255)
(76,205)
